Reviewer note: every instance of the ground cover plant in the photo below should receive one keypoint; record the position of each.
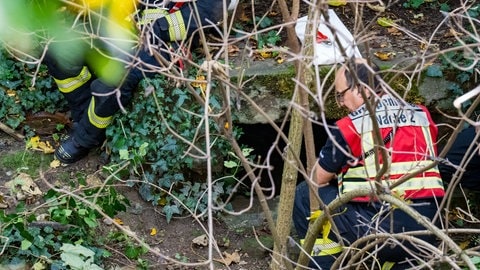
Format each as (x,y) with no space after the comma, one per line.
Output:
(177,144)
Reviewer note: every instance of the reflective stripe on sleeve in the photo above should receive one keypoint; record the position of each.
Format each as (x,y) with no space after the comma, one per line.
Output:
(150,15)
(176,26)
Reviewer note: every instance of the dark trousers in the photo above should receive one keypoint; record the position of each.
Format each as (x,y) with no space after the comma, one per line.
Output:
(355,220)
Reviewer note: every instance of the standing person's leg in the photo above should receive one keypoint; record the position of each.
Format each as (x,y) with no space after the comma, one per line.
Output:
(103,104)
(72,77)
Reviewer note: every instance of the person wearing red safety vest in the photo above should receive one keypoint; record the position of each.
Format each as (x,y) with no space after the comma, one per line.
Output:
(407,131)
(93,98)
(348,161)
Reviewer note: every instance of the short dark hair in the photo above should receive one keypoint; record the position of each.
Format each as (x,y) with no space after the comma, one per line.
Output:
(364,74)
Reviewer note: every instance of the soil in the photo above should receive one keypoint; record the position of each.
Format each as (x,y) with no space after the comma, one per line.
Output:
(174,239)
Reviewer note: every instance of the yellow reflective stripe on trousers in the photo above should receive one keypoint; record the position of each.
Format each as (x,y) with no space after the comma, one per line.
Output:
(417,183)
(68,85)
(176,26)
(323,247)
(97,121)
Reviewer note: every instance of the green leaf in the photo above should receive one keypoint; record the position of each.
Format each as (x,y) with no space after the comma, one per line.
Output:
(124,155)
(475,260)
(92,223)
(25,245)
(169,210)
(230,164)
(434,71)
(133,252)
(385,22)
(143,149)
(82,211)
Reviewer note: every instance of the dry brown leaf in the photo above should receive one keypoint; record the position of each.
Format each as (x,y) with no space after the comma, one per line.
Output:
(3,202)
(55,163)
(452,33)
(384,56)
(233,50)
(266,54)
(243,17)
(383,45)
(394,31)
(377,8)
(201,240)
(23,187)
(118,221)
(463,245)
(36,144)
(228,258)
(279,59)
(423,46)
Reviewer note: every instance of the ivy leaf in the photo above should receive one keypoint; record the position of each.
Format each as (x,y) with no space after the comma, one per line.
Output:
(25,245)
(90,222)
(169,210)
(385,22)
(434,71)
(230,164)
(133,252)
(123,154)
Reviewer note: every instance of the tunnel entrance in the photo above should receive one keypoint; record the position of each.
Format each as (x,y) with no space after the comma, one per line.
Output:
(261,137)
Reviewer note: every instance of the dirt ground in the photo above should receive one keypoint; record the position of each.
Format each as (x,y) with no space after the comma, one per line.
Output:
(174,239)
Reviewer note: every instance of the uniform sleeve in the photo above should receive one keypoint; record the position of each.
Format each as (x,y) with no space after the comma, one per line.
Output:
(209,11)
(331,158)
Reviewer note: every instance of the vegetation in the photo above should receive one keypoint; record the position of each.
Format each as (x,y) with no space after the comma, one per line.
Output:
(178,143)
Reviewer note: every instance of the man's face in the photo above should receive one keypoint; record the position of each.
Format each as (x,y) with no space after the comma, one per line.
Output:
(347,96)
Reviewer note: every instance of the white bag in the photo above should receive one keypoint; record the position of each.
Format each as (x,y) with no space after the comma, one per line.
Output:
(326,50)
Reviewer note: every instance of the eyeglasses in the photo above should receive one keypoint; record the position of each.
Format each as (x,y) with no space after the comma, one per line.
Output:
(340,96)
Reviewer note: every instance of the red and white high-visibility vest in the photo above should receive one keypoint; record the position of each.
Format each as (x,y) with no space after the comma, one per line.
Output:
(409,135)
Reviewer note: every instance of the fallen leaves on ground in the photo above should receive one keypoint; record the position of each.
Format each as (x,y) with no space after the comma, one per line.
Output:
(384,56)
(229,258)
(201,240)
(23,187)
(55,163)
(36,144)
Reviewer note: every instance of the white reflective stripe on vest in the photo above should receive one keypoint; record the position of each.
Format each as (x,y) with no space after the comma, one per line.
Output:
(416,183)
(398,168)
(97,121)
(68,85)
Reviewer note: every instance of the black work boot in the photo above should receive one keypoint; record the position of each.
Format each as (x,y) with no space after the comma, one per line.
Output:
(70,151)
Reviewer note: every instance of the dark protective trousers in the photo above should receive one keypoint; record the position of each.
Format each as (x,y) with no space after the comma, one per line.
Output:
(105,101)
(460,150)
(355,220)
(94,102)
